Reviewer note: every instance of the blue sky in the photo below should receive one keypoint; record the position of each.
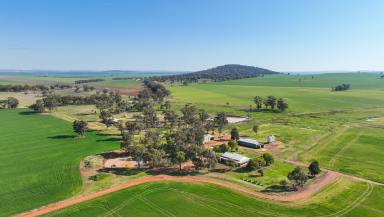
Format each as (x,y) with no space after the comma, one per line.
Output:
(283,35)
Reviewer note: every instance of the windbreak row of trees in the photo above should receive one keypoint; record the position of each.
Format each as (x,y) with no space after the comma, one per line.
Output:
(220,73)
(128,78)
(26,87)
(271,102)
(89,80)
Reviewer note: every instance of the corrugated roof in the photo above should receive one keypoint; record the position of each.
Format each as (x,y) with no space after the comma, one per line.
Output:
(249,141)
(235,156)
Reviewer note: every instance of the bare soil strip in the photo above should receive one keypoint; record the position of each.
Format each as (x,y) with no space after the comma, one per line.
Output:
(300,195)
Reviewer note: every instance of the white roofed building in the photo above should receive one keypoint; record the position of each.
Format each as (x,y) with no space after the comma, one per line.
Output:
(239,159)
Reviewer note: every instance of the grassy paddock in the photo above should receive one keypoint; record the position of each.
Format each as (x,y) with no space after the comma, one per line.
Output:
(344,197)
(40,159)
(355,150)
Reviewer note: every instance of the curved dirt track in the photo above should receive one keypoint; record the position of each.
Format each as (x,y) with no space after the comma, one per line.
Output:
(291,197)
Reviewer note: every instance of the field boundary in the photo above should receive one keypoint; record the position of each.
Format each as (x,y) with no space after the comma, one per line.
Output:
(301,195)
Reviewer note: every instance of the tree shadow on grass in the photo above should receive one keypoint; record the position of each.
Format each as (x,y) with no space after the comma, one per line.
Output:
(108,140)
(112,154)
(277,189)
(124,171)
(27,113)
(62,137)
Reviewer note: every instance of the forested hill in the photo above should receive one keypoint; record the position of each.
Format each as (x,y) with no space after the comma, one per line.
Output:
(220,73)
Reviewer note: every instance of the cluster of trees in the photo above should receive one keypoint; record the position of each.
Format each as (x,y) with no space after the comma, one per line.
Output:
(299,177)
(112,101)
(79,127)
(271,102)
(341,87)
(10,103)
(155,90)
(26,87)
(220,73)
(174,140)
(259,163)
(85,88)
(89,80)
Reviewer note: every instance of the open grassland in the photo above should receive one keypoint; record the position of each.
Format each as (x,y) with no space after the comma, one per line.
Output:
(40,159)
(354,150)
(232,98)
(357,80)
(342,198)
(25,100)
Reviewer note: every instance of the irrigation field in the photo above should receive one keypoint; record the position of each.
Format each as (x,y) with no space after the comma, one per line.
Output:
(343,198)
(40,159)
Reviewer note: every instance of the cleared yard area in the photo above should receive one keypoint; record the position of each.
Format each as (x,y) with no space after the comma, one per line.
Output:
(357,150)
(40,158)
(343,198)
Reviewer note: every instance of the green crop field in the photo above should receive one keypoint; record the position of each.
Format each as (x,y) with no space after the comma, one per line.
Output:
(356,80)
(239,94)
(343,198)
(40,159)
(357,150)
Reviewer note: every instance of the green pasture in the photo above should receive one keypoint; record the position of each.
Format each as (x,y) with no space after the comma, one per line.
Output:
(354,150)
(356,80)
(343,198)
(40,158)
(238,98)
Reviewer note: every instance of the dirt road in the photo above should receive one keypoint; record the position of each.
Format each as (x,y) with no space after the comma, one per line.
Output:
(301,164)
(303,194)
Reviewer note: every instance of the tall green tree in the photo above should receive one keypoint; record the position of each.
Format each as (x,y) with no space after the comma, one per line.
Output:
(259,102)
(220,121)
(268,158)
(314,168)
(50,102)
(255,129)
(38,106)
(12,102)
(298,177)
(235,134)
(79,127)
(271,101)
(282,105)
(180,158)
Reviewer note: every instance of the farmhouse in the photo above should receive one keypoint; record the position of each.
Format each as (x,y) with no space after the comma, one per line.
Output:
(251,143)
(239,159)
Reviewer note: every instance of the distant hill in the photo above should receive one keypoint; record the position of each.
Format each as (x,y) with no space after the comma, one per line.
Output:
(219,73)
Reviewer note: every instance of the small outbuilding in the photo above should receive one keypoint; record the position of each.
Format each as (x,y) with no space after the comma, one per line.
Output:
(239,159)
(250,143)
(208,138)
(271,139)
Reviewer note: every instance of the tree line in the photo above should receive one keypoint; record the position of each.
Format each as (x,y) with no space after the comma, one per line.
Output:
(220,73)
(26,87)
(89,80)
(270,102)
